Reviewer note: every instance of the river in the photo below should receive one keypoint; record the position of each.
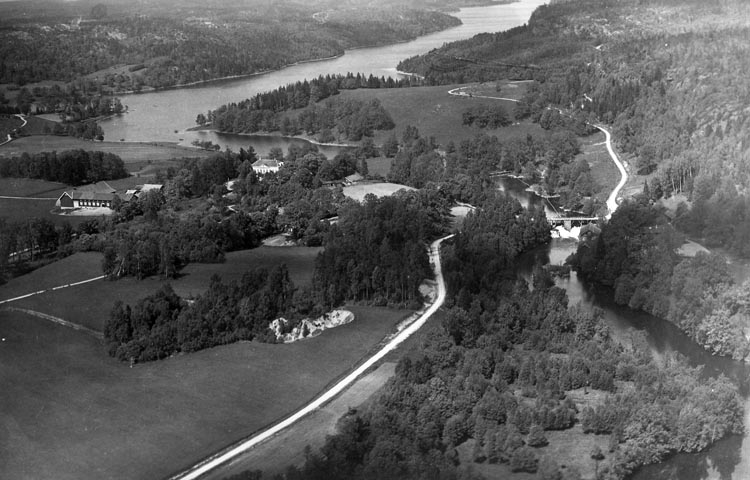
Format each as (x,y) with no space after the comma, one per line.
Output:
(728,458)
(167,115)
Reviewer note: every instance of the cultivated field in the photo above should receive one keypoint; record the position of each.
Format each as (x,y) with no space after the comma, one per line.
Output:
(438,114)
(360,190)
(603,169)
(71,412)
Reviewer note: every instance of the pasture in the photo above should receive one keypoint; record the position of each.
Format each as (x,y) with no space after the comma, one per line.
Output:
(71,412)
(438,114)
(360,190)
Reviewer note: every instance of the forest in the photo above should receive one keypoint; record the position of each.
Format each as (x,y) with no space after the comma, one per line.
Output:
(72,167)
(129,48)
(332,120)
(635,255)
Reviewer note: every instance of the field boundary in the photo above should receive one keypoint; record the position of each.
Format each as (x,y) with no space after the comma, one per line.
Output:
(56,320)
(59,287)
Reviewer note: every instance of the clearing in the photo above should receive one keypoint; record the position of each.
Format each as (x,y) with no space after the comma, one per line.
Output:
(360,190)
(438,114)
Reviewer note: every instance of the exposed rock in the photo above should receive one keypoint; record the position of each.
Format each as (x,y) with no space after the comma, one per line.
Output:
(310,328)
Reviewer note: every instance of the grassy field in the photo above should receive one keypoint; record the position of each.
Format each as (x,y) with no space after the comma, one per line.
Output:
(90,304)
(603,169)
(359,191)
(70,412)
(438,114)
(135,155)
(379,166)
(19,209)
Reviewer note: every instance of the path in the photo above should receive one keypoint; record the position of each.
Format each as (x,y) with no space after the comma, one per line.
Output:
(56,320)
(612,199)
(220,458)
(59,287)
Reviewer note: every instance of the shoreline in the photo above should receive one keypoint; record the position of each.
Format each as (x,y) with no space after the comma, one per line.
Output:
(200,83)
(277,135)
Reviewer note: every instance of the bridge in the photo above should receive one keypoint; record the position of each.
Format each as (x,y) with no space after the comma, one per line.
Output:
(555,219)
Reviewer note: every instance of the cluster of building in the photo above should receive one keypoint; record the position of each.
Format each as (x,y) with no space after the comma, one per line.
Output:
(100,195)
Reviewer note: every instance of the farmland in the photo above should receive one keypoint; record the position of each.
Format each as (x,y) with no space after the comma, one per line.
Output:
(72,412)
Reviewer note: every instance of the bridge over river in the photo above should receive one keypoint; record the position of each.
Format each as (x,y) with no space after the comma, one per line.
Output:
(556,219)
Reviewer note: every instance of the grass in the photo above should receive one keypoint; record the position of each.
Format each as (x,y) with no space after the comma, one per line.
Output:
(26,187)
(360,190)
(90,304)
(135,155)
(379,166)
(70,412)
(38,126)
(603,170)
(438,114)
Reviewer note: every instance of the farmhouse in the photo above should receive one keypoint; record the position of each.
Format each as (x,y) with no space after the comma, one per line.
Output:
(263,166)
(100,195)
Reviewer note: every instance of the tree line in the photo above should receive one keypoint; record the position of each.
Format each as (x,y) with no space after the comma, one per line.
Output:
(72,167)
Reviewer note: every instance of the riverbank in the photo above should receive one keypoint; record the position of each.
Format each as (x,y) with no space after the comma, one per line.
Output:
(305,138)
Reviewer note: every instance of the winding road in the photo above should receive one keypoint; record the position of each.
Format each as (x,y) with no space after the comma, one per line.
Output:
(225,456)
(612,199)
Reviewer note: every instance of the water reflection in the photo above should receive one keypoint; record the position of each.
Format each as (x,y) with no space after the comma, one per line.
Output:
(725,460)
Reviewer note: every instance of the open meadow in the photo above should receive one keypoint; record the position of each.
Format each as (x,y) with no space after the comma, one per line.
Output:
(361,190)
(24,198)
(136,156)
(439,114)
(71,412)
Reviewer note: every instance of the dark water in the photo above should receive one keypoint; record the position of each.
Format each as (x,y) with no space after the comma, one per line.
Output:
(727,459)
(166,115)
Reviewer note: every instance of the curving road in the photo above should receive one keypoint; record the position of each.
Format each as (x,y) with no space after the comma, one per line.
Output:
(612,199)
(212,462)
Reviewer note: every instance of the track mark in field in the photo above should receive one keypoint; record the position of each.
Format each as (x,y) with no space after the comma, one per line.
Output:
(56,320)
(59,287)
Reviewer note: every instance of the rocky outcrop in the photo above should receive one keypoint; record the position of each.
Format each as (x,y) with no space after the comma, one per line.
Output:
(310,328)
